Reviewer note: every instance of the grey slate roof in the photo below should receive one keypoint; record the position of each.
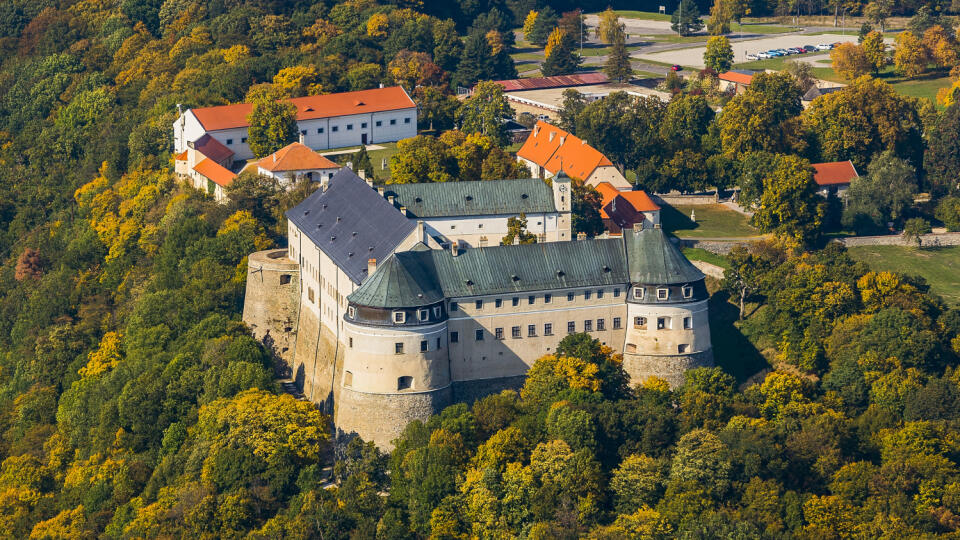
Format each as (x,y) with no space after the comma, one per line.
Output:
(428,199)
(350,223)
(815,92)
(654,260)
(645,256)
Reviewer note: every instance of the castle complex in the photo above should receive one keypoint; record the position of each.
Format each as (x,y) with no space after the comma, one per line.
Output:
(391,304)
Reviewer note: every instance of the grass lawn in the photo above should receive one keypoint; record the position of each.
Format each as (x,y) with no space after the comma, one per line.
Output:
(755,28)
(643,15)
(937,265)
(923,87)
(700,254)
(389,149)
(713,221)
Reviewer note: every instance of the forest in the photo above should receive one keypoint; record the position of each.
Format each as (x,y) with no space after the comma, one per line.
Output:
(135,404)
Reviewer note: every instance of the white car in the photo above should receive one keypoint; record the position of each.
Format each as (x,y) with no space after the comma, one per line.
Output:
(763,55)
(824,47)
(752,57)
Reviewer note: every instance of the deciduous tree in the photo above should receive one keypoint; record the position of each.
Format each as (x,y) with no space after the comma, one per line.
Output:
(719,53)
(561,56)
(874,50)
(273,122)
(910,56)
(850,61)
(484,112)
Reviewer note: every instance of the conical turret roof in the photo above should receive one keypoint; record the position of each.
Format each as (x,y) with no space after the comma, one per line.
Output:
(404,280)
(653,259)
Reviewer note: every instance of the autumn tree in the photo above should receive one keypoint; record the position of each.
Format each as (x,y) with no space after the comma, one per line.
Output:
(802,72)
(877,13)
(789,204)
(585,205)
(910,56)
(272,121)
(874,50)
(763,117)
(719,53)
(561,56)
(720,16)
(617,66)
(538,25)
(29,265)
(850,61)
(412,69)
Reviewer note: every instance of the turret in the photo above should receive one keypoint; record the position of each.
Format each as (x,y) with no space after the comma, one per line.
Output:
(668,327)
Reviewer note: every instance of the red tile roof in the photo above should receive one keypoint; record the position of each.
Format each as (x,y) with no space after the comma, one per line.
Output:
(182,156)
(638,201)
(540,146)
(212,148)
(295,157)
(557,81)
(834,173)
(577,158)
(734,77)
(217,173)
(311,107)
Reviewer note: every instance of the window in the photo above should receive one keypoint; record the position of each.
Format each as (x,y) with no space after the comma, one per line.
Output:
(398,348)
(479,304)
(687,323)
(334,128)
(687,291)
(423,314)
(303,132)
(229,141)
(498,302)
(348,378)
(437,311)
(531,299)
(547,298)
(454,337)
(379,123)
(243,140)
(404,383)
(571,327)
(423,346)
(515,332)
(479,335)
(601,325)
(638,293)
(516,301)
(399,317)
(438,344)
(616,323)
(663,294)
(531,330)
(406,120)
(570,296)
(663,323)
(682,348)
(640,322)
(349,127)
(393,121)
(453,306)
(453,227)
(599,294)
(351,343)
(586,295)
(616,292)
(351,312)
(548,329)
(310,294)
(363,125)
(498,333)
(319,130)
(588,325)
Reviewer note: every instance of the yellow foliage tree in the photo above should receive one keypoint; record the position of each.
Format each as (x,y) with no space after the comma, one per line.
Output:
(298,81)
(107,355)
(377,25)
(850,61)
(910,57)
(235,54)
(529,21)
(553,41)
(67,524)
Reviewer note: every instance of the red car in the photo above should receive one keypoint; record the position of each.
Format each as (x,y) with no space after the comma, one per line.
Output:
(676,67)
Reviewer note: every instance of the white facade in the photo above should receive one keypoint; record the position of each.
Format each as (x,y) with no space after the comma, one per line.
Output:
(488,230)
(289,178)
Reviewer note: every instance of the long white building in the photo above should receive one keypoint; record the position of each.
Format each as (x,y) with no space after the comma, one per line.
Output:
(327,121)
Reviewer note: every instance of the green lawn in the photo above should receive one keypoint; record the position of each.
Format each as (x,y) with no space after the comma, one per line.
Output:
(644,15)
(937,265)
(754,28)
(389,149)
(700,254)
(713,221)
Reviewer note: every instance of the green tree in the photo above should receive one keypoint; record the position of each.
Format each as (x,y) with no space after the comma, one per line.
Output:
(763,118)
(686,122)
(638,481)
(438,109)
(543,23)
(882,195)
(686,19)
(802,73)
(719,53)
(948,211)
(585,208)
(874,50)
(617,66)
(748,272)
(914,228)
(789,204)
(561,57)
(877,13)
(517,232)
(942,158)
(484,112)
(701,459)
(273,121)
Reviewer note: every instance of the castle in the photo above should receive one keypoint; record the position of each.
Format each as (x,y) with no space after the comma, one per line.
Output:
(391,304)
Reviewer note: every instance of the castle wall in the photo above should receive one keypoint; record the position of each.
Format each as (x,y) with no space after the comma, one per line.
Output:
(271,303)
(669,367)
(382,417)
(683,341)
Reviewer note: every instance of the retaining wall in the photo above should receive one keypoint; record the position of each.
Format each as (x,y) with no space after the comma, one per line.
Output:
(927,240)
(671,368)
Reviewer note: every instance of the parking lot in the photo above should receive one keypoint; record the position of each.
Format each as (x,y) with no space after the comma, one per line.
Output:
(693,57)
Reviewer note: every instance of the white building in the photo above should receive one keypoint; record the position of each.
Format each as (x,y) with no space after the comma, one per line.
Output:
(296,161)
(326,121)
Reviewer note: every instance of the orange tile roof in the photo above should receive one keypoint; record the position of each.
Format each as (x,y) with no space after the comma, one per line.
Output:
(539,147)
(834,173)
(639,200)
(212,148)
(311,107)
(295,157)
(734,77)
(577,158)
(217,173)
(182,156)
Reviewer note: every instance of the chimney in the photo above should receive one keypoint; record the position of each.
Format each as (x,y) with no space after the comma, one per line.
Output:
(581,236)
(303,137)
(371,267)
(422,232)
(656,225)
(370,182)
(324,183)
(403,210)
(536,130)
(552,135)
(380,191)
(274,157)
(455,248)
(390,198)
(563,139)
(362,174)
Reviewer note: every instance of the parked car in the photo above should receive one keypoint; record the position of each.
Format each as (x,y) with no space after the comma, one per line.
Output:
(774,53)
(809,48)
(676,67)
(798,50)
(753,56)
(763,55)
(783,52)
(824,47)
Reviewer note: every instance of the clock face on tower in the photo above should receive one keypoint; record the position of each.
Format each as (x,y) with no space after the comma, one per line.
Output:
(563,189)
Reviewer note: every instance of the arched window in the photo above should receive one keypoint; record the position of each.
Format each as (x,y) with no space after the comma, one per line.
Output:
(404,383)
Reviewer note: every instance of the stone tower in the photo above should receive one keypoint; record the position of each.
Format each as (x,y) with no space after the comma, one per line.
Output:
(563,199)
(668,328)
(396,365)
(272,303)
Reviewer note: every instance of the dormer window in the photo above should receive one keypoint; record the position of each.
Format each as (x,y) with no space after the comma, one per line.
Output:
(352,312)
(399,317)
(663,294)
(437,311)
(687,291)
(638,293)
(423,314)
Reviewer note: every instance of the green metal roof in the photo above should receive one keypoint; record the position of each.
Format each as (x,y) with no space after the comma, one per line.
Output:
(421,277)
(655,260)
(432,199)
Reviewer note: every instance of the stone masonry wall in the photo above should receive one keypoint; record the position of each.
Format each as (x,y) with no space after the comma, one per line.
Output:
(670,368)
(271,304)
(470,391)
(382,417)
(928,240)
(316,361)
